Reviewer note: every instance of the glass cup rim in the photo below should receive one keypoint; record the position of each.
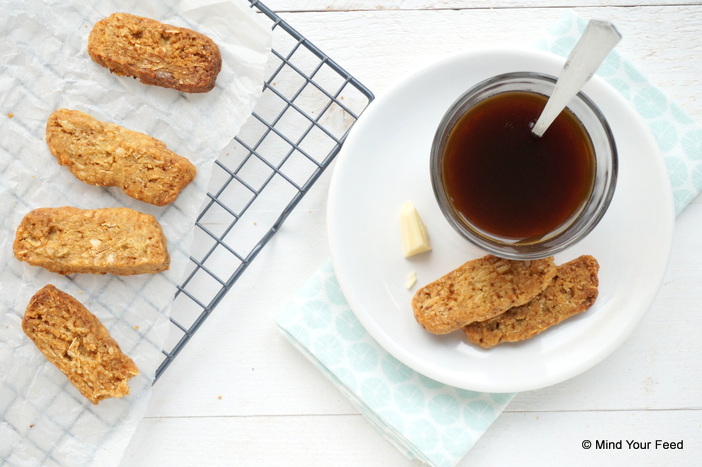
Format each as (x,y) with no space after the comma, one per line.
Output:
(578,226)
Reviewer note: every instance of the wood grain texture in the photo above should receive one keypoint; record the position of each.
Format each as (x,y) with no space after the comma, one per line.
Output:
(384,5)
(277,409)
(381,48)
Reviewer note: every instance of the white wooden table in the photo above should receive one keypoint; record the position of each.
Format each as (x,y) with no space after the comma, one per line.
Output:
(240,394)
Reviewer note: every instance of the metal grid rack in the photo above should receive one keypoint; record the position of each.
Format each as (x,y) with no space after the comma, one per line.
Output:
(308,105)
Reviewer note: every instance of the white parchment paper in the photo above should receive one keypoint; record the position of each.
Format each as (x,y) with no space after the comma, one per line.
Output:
(44,66)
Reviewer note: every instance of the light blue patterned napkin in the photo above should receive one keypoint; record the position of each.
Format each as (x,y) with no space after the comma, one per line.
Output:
(427,420)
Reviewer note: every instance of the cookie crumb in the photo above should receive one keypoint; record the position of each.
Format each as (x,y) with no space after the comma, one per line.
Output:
(411,279)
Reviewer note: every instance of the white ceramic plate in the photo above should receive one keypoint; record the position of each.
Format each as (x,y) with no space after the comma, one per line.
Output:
(385,162)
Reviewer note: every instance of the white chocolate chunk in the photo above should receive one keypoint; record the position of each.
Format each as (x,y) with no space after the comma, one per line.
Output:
(415,239)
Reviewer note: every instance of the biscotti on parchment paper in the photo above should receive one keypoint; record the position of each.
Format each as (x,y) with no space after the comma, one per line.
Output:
(68,240)
(74,340)
(156,53)
(106,154)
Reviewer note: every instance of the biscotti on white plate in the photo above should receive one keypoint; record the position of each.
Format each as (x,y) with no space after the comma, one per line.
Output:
(573,290)
(478,290)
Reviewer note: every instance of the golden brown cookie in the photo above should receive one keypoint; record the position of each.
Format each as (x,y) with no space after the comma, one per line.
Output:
(105,154)
(478,290)
(572,291)
(156,53)
(74,340)
(69,240)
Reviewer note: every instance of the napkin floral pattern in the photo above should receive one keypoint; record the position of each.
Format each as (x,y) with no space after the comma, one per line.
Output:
(427,420)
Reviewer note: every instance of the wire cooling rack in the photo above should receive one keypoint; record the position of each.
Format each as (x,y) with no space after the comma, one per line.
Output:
(308,105)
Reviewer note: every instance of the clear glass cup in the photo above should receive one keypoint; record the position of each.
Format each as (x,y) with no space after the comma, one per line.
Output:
(581,221)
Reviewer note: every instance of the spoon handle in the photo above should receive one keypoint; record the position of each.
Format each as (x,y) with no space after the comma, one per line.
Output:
(597,41)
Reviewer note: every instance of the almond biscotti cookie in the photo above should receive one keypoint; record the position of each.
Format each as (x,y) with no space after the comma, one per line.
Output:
(69,240)
(478,290)
(572,291)
(74,340)
(156,53)
(106,154)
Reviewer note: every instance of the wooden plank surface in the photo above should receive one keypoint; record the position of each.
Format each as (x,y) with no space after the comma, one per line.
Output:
(240,394)
(383,5)
(537,438)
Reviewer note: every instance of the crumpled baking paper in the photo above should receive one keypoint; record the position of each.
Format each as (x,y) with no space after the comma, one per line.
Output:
(44,65)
